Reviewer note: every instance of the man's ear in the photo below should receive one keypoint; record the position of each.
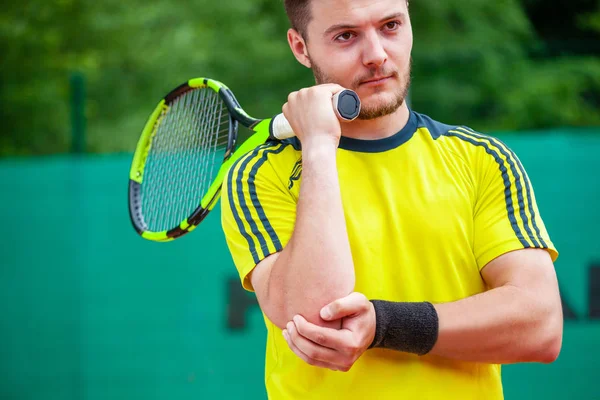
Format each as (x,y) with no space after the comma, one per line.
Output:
(298,46)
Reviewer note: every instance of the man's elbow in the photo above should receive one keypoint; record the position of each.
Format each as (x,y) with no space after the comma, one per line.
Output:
(547,351)
(312,300)
(547,340)
(552,350)
(282,297)
(281,307)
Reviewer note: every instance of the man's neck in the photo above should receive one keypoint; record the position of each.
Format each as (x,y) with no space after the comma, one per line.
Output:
(378,128)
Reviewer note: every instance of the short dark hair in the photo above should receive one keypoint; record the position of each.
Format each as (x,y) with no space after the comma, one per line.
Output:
(298,12)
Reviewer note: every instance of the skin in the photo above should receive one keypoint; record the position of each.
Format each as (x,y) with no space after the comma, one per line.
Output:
(307,289)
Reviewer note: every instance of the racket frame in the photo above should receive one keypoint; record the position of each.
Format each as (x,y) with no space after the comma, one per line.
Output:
(261,127)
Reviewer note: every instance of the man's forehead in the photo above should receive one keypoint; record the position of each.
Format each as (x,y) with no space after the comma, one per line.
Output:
(353,12)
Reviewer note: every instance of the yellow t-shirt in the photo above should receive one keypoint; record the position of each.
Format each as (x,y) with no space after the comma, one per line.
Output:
(426,210)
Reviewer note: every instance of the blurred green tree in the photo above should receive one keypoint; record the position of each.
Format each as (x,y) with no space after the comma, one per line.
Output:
(476,62)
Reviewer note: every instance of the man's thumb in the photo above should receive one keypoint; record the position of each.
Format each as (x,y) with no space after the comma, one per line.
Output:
(341,308)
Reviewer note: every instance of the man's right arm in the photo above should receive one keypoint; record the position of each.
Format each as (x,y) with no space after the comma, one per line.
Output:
(316,266)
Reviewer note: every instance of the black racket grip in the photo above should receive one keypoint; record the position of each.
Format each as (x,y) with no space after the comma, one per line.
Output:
(346,104)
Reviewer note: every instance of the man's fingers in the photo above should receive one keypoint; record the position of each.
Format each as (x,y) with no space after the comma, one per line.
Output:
(332,87)
(311,349)
(326,337)
(305,357)
(347,306)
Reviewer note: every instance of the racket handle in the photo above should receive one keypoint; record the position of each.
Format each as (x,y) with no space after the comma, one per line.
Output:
(346,105)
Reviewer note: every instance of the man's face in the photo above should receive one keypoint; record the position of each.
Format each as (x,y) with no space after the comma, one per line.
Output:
(363,45)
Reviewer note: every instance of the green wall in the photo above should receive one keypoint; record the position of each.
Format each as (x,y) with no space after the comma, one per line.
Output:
(91,311)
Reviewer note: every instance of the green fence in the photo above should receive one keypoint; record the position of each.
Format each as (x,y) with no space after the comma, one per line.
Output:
(91,311)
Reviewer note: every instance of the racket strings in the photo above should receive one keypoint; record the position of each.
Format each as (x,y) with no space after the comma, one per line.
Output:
(186,153)
(210,159)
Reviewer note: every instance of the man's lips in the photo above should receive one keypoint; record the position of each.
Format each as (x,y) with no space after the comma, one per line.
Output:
(376,80)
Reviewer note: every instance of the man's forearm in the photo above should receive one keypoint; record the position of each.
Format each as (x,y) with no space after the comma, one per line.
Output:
(519,319)
(316,266)
(503,325)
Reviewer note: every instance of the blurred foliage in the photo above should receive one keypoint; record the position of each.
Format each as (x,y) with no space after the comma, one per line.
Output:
(476,62)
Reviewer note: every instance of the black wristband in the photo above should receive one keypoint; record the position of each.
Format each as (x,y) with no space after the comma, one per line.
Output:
(407,327)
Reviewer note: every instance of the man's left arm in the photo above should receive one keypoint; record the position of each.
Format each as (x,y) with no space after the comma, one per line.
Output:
(519,319)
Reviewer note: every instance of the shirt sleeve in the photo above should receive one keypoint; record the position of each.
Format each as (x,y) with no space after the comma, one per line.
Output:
(258,212)
(506,216)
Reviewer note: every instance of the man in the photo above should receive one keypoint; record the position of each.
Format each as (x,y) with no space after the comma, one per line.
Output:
(393,257)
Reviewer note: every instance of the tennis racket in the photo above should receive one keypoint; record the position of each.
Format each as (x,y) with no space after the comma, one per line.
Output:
(186,148)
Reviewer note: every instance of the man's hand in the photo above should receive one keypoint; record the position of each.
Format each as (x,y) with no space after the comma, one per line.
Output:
(330,348)
(311,115)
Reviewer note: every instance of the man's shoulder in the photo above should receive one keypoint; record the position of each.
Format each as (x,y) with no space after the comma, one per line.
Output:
(466,142)
(461,135)
(435,128)
(269,158)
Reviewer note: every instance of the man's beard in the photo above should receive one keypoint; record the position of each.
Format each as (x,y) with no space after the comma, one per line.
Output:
(377,110)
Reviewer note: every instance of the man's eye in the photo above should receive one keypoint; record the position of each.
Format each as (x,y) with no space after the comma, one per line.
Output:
(344,37)
(392,25)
